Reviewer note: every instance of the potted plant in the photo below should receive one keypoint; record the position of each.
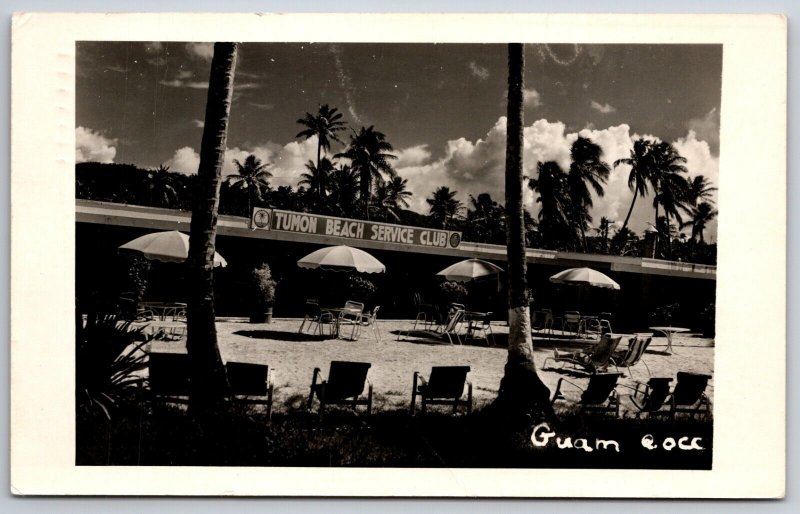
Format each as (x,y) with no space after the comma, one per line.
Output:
(264,295)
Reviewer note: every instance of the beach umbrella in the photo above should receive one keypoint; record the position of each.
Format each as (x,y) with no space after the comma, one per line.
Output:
(584,276)
(469,269)
(341,258)
(170,246)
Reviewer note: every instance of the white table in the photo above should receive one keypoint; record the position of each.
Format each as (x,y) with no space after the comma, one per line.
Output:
(668,332)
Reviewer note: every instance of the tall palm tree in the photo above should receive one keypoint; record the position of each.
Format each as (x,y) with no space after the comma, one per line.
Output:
(444,206)
(252,178)
(640,161)
(670,188)
(554,216)
(368,152)
(391,197)
(163,187)
(521,389)
(343,187)
(702,215)
(209,383)
(586,170)
(324,125)
(604,229)
(317,179)
(486,220)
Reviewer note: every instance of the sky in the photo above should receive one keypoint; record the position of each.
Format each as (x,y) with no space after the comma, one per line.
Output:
(442,107)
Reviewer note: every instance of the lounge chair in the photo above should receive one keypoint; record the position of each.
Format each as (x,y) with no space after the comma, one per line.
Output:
(633,355)
(599,395)
(370,321)
(594,361)
(451,328)
(649,398)
(444,387)
(169,377)
(344,386)
(251,384)
(687,397)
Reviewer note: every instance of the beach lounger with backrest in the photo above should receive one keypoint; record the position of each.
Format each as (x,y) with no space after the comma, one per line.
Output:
(344,386)
(445,386)
(649,398)
(689,397)
(633,355)
(595,360)
(599,395)
(251,384)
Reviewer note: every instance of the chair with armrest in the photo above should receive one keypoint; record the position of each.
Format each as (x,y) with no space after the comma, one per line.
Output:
(344,386)
(599,395)
(595,360)
(571,321)
(445,386)
(370,320)
(633,355)
(251,384)
(169,377)
(351,316)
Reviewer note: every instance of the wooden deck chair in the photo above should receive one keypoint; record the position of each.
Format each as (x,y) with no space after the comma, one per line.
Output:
(445,386)
(251,384)
(169,377)
(633,355)
(649,398)
(451,329)
(599,395)
(344,386)
(370,321)
(594,361)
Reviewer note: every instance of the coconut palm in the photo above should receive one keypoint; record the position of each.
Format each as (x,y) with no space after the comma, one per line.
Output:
(670,187)
(368,152)
(252,179)
(163,187)
(317,179)
(324,125)
(640,161)
(521,389)
(700,190)
(444,206)
(554,216)
(587,170)
(209,383)
(486,220)
(391,197)
(702,215)
(604,230)
(343,191)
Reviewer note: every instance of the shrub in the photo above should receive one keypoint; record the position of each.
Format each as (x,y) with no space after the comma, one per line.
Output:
(264,286)
(452,292)
(360,288)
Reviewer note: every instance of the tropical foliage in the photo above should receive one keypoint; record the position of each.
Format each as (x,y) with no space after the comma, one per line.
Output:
(368,153)
(444,206)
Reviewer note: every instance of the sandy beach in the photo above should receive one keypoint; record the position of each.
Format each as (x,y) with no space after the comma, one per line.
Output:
(294,356)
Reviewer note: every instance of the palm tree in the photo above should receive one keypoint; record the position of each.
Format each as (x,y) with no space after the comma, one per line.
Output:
(324,125)
(391,197)
(700,190)
(317,179)
(521,389)
(343,186)
(640,161)
(163,187)
(252,179)
(670,188)
(444,206)
(209,383)
(586,170)
(604,229)
(369,157)
(486,220)
(554,222)
(702,215)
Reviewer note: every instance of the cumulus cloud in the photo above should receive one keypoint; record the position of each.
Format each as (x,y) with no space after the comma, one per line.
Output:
(706,128)
(478,71)
(199,123)
(531,98)
(203,51)
(603,108)
(92,146)
(184,160)
(412,156)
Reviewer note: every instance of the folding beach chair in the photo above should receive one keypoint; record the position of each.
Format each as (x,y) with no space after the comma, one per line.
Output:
(251,384)
(687,397)
(649,398)
(444,387)
(633,355)
(344,386)
(599,395)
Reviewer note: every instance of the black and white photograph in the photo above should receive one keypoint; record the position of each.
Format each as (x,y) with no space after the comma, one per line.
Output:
(403,255)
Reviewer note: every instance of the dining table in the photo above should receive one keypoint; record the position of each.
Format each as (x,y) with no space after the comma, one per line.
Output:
(669,331)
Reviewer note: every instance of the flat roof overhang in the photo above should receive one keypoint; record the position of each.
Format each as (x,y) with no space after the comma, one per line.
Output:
(113,214)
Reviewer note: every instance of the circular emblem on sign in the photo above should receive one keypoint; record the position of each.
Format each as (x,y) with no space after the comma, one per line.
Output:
(261,218)
(455,239)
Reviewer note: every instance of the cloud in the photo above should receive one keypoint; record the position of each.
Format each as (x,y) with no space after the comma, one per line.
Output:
(603,108)
(412,156)
(478,71)
(184,83)
(262,107)
(184,74)
(531,98)
(199,123)
(706,128)
(92,146)
(203,51)
(184,160)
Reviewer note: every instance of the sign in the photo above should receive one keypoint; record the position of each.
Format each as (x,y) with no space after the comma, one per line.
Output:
(304,223)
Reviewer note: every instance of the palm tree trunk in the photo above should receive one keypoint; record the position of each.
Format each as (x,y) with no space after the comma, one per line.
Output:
(209,382)
(655,234)
(521,389)
(630,211)
(319,175)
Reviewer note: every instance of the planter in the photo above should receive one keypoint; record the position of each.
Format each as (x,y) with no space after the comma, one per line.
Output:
(262,316)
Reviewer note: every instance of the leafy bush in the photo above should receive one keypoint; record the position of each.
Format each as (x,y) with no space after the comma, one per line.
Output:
(452,292)
(264,286)
(360,288)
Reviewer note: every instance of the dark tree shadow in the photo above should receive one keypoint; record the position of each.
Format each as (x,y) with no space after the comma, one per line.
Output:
(280,335)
